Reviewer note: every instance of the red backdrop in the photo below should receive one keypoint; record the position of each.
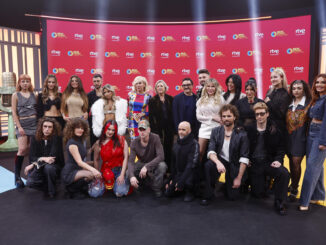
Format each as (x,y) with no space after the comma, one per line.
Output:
(172,52)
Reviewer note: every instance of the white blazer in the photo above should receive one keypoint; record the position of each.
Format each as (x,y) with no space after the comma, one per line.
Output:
(120,116)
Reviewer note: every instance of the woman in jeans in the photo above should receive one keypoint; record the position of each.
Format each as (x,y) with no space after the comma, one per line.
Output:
(313,188)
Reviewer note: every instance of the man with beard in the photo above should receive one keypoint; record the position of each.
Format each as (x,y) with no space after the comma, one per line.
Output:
(228,152)
(203,76)
(184,160)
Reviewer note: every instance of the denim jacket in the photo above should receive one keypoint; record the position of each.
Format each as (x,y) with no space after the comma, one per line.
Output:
(318,111)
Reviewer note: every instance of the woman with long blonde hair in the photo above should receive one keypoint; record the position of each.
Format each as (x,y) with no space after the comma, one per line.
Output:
(207,112)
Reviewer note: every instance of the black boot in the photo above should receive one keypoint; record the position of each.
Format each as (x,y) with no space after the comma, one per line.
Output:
(18,167)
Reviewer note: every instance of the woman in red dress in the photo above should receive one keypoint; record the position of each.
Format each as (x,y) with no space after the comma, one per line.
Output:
(113,150)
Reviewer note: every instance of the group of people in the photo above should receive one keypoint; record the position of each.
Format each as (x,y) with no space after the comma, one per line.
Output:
(176,143)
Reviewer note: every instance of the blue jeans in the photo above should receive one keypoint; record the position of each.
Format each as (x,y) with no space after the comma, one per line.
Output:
(313,181)
(123,189)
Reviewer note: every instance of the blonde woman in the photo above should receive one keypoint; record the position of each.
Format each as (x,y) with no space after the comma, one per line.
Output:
(24,114)
(278,99)
(207,112)
(109,107)
(138,100)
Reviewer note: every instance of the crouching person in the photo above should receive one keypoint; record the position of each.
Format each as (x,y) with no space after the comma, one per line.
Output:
(46,157)
(228,152)
(184,160)
(77,173)
(150,165)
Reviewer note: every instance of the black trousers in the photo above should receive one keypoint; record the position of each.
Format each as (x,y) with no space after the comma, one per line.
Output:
(258,175)
(44,178)
(188,186)
(211,175)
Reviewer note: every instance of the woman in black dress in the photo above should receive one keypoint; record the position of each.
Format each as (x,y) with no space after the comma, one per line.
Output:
(77,173)
(297,124)
(161,118)
(278,99)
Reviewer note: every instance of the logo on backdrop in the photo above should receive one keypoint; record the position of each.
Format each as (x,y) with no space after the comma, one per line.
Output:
(185,71)
(185,39)
(274,52)
(130,55)
(217,54)
(258,70)
(97,71)
(279,33)
(259,35)
(58,35)
(79,71)
(132,71)
(300,32)
(181,55)
(115,38)
(150,72)
(74,53)
(238,71)
(236,54)
(111,54)
(178,88)
(59,71)
(202,38)
(298,69)
(132,39)
(273,68)
(221,71)
(93,54)
(200,54)
(167,71)
(78,36)
(239,36)
(221,37)
(150,39)
(96,37)
(55,52)
(253,52)
(165,55)
(294,51)
(167,39)
(115,71)
(146,54)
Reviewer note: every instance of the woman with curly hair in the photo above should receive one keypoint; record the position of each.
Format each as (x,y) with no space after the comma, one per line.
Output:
(113,149)
(234,85)
(23,104)
(77,173)
(138,100)
(207,112)
(74,100)
(297,125)
(49,101)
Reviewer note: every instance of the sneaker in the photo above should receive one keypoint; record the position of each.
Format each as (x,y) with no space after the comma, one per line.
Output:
(189,197)
(19,183)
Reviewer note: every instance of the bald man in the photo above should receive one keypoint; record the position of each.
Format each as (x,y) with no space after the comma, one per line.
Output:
(185,155)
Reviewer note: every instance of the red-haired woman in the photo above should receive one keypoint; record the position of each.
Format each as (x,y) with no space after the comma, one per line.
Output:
(24,115)
(313,188)
(74,100)
(113,150)
(49,101)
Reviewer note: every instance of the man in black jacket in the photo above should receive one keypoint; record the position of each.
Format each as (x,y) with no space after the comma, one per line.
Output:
(46,157)
(266,156)
(228,152)
(184,160)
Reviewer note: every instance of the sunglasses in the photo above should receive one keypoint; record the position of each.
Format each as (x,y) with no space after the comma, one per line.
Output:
(260,114)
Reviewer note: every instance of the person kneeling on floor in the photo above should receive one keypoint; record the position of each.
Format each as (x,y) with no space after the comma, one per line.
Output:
(150,165)
(184,160)
(46,157)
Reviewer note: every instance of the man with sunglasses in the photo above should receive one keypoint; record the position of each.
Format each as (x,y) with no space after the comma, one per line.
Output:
(266,157)
(184,106)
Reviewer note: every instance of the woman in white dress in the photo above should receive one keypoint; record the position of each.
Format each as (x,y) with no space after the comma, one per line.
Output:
(207,112)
